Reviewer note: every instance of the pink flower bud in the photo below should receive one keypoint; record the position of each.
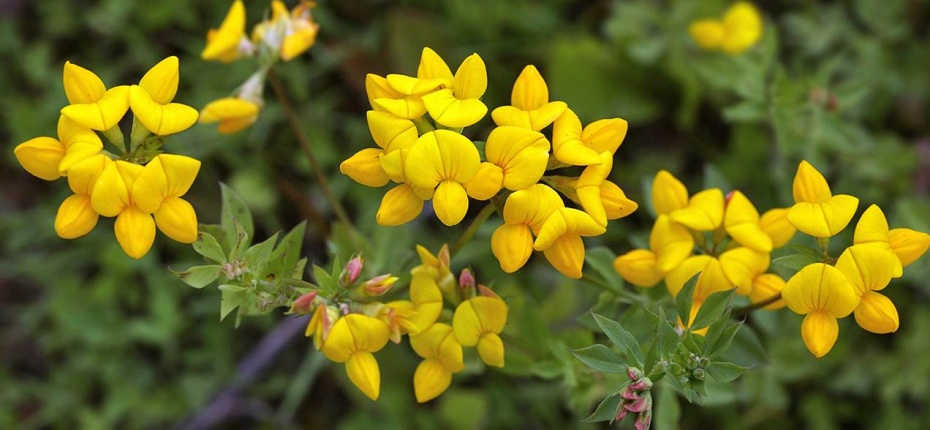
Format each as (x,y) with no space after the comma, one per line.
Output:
(643,421)
(352,271)
(466,279)
(634,374)
(643,384)
(379,285)
(638,405)
(629,394)
(304,304)
(621,413)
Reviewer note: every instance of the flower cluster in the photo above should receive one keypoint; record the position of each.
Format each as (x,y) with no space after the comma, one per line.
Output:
(739,29)
(733,240)
(827,290)
(139,185)
(417,124)
(349,324)
(283,37)
(636,400)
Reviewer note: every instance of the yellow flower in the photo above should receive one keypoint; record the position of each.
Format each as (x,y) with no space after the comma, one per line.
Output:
(702,212)
(600,198)
(404,202)
(525,211)
(159,189)
(41,157)
(575,146)
(111,196)
(560,239)
(460,106)
(390,133)
(382,97)
(774,222)
(739,30)
(869,269)
(414,315)
(671,243)
(352,340)
(91,104)
(442,354)
(321,324)
(288,34)
(76,216)
(443,161)
(517,159)
(529,103)
(228,42)
(151,100)
(766,286)
(741,221)
(906,244)
(478,322)
(816,210)
(741,265)
(638,267)
(823,294)
(401,95)
(233,113)
(711,279)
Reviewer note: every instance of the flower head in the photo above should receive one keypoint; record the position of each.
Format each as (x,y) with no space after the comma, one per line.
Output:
(443,161)
(816,210)
(822,293)
(151,100)
(442,356)
(92,105)
(478,322)
(460,105)
(352,340)
(228,42)
(529,103)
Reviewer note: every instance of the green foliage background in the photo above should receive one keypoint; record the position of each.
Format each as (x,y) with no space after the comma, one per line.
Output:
(92,339)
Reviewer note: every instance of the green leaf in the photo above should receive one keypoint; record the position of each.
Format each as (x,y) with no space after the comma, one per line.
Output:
(714,178)
(257,255)
(724,372)
(234,210)
(241,238)
(327,284)
(685,298)
(667,339)
(795,262)
(713,308)
(299,268)
(600,358)
(207,246)
(719,337)
(199,276)
(297,284)
(606,410)
(621,338)
(667,409)
(231,300)
(601,259)
(285,256)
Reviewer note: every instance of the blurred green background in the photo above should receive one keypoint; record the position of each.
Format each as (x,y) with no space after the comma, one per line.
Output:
(90,338)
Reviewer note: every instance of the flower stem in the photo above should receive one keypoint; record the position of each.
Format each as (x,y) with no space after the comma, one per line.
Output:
(472,228)
(308,150)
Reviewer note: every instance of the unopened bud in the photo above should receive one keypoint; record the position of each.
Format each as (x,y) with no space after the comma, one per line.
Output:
(703,362)
(693,362)
(629,394)
(378,285)
(487,292)
(352,271)
(643,420)
(638,405)
(467,280)
(634,373)
(698,374)
(304,304)
(621,412)
(643,384)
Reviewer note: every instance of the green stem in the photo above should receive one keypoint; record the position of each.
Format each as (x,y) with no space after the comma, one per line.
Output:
(756,306)
(472,228)
(308,151)
(824,244)
(626,296)
(115,136)
(301,384)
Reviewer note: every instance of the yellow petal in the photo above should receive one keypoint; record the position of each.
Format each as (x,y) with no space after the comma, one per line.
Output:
(588,188)
(135,231)
(872,226)
(809,185)
(532,206)
(566,254)
(566,221)
(512,245)
(233,113)
(405,107)
(766,286)
(486,183)
(774,222)
(741,221)
(81,85)
(299,41)
(226,38)
(605,135)
(363,371)
(741,265)
(426,343)
(160,119)
(535,120)
(877,314)
(704,211)
(377,87)
(521,153)
(427,300)
(432,66)
(671,242)
(529,91)
(824,219)
(399,205)
(441,155)
(668,193)
(868,268)
(111,193)
(711,280)
(616,204)
(907,244)
(161,81)
(83,175)
(77,152)
(391,132)
(103,114)
(567,144)
(743,25)
(707,33)
(410,86)
(820,288)
(450,202)
(430,380)
(448,110)
(478,316)
(365,168)
(75,217)
(638,267)
(471,79)
(41,157)
(491,350)
(819,331)
(176,219)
